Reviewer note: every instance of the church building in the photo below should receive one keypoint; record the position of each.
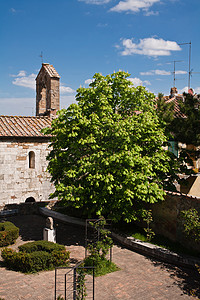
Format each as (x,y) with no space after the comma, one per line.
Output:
(23,148)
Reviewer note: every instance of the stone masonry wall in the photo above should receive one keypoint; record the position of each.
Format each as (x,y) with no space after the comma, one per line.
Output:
(167,217)
(17,180)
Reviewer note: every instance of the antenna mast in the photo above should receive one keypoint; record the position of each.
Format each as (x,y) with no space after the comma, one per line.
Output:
(174,72)
(41,56)
(189,64)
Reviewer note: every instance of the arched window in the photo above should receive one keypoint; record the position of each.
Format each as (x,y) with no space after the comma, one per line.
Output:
(31,156)
(30,200)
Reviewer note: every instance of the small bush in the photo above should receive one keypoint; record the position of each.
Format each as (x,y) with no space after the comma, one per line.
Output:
(101,266)
(41,246)
(40,255)
(8,233)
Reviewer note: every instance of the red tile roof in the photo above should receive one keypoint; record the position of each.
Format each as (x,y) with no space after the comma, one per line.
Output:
(14,126)
(50,70)
(177,111)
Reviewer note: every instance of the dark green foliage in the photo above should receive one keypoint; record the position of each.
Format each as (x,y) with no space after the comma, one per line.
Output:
(148,219)
(191,223)
(165,112)
(102,265)
(81,290)
(8,233)
(42,256)
(187,130)
(99,249)
(41,246)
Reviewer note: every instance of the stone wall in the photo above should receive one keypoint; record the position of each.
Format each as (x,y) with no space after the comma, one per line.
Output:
(19,182)
(167,219)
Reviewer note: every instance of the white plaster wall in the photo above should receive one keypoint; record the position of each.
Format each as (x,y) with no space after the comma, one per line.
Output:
(17,180)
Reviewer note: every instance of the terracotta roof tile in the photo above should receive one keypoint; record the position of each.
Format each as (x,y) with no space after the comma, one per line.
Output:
(51,70)
(15,126)
(177,111)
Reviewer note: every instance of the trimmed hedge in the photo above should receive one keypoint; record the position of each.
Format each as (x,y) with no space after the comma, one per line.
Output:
(36,256)
(8,233)
(41,246)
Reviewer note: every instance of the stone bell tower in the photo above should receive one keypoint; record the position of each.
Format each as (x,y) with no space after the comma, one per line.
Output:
(47,91)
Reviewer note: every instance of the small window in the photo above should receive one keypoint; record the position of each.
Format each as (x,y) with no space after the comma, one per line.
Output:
(31,160)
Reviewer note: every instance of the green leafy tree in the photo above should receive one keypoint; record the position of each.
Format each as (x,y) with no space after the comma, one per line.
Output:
(191,223)
(107,154)
(187,129)
(165,112)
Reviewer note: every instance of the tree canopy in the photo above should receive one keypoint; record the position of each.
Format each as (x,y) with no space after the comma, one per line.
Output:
(187,129)
(107,154)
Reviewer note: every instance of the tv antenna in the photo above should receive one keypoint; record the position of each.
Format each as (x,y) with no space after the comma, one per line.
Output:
(174,72)
(41,56)
(189,63)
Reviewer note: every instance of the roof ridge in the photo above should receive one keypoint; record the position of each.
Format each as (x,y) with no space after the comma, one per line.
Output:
(36,117)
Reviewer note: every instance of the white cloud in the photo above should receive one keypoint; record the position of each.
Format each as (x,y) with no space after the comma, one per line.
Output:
(66,90)
(162,72)
(65,101)
(180,72)
(137,81)
(151,13)
(26,81)
(88,81)
(185,89)
(149,46)
(134,5)
(156,72)
(97,2)
(20,74)
(197,90)
(13,10)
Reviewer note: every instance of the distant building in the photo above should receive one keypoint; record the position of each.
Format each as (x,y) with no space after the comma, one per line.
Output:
(23,148)
(193,182)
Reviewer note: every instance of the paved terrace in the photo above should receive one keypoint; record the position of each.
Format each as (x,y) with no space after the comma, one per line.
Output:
(139,278)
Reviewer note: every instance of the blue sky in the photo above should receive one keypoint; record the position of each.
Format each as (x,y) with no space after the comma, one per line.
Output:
(82,37)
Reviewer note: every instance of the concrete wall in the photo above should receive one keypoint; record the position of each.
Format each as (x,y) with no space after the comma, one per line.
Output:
(17,180)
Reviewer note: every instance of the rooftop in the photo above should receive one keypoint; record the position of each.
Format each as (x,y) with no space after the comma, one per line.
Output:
(51,71)
(17,126)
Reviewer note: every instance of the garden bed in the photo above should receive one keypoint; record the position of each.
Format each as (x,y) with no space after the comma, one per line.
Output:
(36,256)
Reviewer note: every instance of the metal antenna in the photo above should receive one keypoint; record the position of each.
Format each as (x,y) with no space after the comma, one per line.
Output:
(189,64)
(174,72)
(41,56)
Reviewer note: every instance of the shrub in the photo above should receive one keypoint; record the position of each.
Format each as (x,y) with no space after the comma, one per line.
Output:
(99,249)
(191,224)
(102,266)
(8,233)
(40,255)
(41,246)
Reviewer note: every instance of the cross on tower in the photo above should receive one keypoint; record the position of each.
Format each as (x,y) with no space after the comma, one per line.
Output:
(41,56)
